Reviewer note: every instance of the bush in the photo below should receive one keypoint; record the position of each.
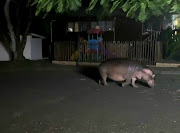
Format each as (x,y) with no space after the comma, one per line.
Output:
(171,44)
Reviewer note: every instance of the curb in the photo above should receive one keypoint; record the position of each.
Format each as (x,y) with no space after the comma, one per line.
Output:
(70,63)
(169,72)
(167,64)
(173,65)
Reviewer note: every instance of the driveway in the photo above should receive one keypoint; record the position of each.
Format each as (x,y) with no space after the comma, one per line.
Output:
(69,100)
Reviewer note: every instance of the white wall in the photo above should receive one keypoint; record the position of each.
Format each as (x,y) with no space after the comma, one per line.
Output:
(36,48)
(4,55)
(33,48)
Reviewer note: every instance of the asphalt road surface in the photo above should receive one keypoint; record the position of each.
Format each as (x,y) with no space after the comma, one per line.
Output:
(69,100)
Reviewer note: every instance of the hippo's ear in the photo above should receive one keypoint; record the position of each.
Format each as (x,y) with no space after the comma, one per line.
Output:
(148,71)
(153,76)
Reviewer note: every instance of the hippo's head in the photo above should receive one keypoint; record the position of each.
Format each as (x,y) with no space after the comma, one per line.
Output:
(150,81)
(148,76)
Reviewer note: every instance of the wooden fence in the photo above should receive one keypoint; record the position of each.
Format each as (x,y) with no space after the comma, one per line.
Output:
(147,52)
(64,50)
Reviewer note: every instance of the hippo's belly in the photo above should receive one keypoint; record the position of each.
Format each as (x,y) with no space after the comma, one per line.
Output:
(116,77)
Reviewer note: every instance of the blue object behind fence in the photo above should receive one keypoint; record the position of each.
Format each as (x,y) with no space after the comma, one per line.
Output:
(93,44)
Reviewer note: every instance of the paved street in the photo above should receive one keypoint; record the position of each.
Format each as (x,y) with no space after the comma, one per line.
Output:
(69,100)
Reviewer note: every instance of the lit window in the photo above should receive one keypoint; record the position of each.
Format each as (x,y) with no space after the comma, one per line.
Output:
(76,27)
(70,27)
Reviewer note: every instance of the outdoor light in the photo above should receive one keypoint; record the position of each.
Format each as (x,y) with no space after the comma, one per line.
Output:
(70,29)
(175,33)
(176,22)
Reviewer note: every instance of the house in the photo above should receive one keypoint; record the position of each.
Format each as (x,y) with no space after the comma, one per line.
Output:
(116,27)
(33,47)
(122,37)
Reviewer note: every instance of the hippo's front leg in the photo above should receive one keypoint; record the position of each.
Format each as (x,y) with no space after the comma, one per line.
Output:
(128,81)
(133,82)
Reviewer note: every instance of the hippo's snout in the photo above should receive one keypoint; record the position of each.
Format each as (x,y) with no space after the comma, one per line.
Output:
(151,83)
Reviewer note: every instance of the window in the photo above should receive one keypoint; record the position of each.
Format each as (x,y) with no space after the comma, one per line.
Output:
(76,27)
(109,25)
(94,24)
(106,25)
(102,25)
(70,27)
(73,27)
(84,26)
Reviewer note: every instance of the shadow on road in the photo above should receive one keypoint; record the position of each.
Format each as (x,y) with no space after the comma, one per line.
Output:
(91,72)
(142,83)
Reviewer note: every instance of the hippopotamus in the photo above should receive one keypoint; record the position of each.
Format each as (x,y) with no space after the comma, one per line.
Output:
(125,69)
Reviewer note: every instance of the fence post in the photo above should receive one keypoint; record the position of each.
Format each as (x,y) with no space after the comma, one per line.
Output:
(158,51)
(55,52)
(78,60)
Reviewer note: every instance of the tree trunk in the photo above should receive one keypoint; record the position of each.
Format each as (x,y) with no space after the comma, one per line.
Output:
(20,50)
(17,43)
(21,44)
(10,27)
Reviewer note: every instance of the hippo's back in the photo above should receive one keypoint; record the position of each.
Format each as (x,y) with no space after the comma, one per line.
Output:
(124,62)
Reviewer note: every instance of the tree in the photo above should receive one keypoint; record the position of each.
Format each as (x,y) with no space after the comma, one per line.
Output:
(15,11)
(138,9)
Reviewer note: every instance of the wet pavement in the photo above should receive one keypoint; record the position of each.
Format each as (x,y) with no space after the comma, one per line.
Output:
(69,100)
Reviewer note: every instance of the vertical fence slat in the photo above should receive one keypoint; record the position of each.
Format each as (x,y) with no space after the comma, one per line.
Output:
(153,56)
(141,50)
(150,52)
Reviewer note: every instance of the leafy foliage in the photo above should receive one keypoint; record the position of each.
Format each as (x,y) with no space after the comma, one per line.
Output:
(60,6)
(92,4)
(115,5)
(138,9)
(141,9)
(171,43)
(173,46)
(175,6)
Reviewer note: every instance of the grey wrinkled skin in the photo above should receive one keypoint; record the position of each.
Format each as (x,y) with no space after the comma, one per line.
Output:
(124,69)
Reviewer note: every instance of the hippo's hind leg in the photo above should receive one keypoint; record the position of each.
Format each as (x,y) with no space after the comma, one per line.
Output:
(104,78)
(127,82)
